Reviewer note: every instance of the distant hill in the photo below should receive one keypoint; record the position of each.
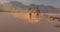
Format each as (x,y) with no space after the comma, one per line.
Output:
(47,9)
(18,6)
(10,7)
(43,8)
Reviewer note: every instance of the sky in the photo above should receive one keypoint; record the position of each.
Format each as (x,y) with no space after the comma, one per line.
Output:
(55,3)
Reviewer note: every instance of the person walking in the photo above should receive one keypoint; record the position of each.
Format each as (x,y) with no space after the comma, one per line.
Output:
(30,13)
(37,12)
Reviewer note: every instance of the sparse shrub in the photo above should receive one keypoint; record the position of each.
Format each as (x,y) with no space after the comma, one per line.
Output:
(57,25)
(59,20)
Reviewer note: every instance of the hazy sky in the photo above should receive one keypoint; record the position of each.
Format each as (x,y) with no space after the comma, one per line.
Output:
(55,3)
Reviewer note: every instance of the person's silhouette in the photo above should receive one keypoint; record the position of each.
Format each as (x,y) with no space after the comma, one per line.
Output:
(30,15)
(37,11)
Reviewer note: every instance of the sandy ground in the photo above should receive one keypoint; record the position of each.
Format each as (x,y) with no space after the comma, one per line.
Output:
(17,22)
(24,16)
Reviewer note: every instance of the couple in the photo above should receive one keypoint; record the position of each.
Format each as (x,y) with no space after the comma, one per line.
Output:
(36,12)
